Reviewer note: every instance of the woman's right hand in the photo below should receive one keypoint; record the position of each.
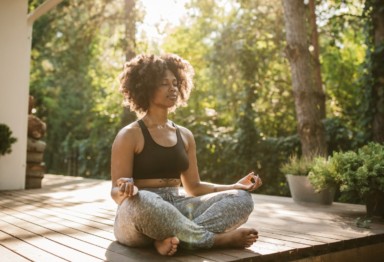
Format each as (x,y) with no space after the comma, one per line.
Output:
(126,187)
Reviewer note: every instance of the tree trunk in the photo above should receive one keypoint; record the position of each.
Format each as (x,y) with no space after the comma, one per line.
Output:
(378,70)
(309,100)
(130,28)
(130,45)
(316,56)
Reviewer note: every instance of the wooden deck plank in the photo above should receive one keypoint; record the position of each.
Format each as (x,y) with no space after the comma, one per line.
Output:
(214,256)
(134,254)
(292,238)
(62,216)
(79,211)
(305,237)
(57,236)
(10,256)
(23,210)
(25,249)
(23,205)
(48,219)
(60,220)
(241,254)
(85,243)
(8,226)
(86,212)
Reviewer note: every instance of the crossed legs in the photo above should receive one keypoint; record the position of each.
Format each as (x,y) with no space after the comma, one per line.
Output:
(198,222)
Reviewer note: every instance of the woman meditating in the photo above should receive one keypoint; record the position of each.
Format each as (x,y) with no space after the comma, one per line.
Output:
(153,157)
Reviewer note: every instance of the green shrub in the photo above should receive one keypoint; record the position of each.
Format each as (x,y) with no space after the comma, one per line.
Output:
(360,173)
(339,137)
(323,174)
(298,166)
(6,139)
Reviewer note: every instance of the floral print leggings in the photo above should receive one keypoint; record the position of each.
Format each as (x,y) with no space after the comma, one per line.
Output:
(159,213)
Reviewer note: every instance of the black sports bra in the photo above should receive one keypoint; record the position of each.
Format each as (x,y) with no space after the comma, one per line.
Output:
(156,161)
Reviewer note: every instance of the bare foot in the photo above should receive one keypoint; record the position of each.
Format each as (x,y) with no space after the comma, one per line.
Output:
(238,238)
(168,246)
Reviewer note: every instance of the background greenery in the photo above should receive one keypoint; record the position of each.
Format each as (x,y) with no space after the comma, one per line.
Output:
(241,110)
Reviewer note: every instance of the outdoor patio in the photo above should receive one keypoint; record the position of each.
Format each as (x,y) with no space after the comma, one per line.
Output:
(71,219)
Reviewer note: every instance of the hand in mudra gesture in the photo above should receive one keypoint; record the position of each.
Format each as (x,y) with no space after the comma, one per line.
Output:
(127,187)
(250,182)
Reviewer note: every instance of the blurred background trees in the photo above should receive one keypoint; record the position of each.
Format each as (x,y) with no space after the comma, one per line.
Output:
(242,110)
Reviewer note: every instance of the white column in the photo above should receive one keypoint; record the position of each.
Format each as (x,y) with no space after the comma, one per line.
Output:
(15,46)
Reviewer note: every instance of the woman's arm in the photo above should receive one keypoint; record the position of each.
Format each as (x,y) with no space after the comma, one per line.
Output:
(123,150)
(191,178)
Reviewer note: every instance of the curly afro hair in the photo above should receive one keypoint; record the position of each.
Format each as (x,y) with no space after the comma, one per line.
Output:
(142,74)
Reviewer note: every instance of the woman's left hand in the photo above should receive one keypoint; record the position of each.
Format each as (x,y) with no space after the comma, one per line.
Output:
(250,182)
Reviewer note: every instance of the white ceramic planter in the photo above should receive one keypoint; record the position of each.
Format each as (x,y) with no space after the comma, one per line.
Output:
(302,191)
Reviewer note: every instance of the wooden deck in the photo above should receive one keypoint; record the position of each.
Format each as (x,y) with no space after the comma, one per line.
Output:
(71,219)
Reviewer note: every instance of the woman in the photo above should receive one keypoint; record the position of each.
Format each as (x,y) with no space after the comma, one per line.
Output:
(156,156)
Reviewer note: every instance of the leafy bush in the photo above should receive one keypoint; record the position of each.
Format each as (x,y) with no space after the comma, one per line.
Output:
(339,137)
(360,173)
(6,139)
(226,152)
(323,174)
(357,174)
(298,166)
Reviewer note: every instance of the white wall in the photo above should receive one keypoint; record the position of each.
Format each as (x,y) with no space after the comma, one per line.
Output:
(15,44)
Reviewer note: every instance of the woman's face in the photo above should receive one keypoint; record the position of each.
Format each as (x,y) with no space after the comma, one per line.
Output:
(167,92)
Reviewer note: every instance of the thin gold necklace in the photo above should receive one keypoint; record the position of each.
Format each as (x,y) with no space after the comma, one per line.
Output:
(158,126)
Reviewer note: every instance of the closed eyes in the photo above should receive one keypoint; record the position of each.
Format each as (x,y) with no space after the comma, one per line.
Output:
(166,83)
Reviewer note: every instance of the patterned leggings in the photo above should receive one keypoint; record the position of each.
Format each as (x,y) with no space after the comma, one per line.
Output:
(159,213)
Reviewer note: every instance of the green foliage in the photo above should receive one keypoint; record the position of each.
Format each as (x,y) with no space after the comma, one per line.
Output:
(241,111)
(242,107)
(346,165)
(6,139)
(272,152)
(360,173)
(297,166)
(370,87)
(339,137)
(73,78)
(243,78)
(363,222)
(342,28)
(373,90)
(247,63)
(323,174)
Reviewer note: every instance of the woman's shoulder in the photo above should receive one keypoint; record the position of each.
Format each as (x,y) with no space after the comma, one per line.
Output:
(128,139)
(184,131)
(130,131)
(187,136)
(131,127)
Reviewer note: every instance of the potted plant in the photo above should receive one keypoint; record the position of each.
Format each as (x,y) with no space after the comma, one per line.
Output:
(323,178)
(361,176)
(298,170)
(6,139)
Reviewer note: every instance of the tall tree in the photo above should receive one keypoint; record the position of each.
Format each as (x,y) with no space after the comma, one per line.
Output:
(309,100)
(377,17)
(129,45)
(130,28)
(372,83)
(72,77)
(318,83)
